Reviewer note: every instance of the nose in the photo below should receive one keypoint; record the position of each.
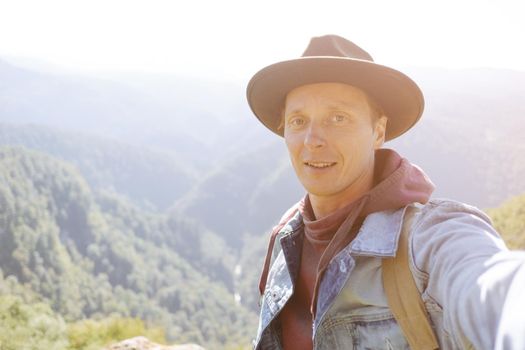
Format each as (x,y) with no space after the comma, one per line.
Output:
(314,137)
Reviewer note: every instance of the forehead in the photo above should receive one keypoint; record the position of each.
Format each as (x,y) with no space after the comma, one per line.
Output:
(331,94)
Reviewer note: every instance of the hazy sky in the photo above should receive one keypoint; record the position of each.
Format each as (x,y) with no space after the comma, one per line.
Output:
(233,39)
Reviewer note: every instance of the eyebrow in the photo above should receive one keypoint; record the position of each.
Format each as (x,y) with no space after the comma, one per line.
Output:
(294,111)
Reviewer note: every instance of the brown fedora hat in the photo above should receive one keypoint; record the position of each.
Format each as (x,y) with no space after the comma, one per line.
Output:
(332,58)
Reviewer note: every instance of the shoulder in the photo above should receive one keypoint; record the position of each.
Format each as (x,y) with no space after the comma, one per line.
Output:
(446,232)
(446,204)
(442,211)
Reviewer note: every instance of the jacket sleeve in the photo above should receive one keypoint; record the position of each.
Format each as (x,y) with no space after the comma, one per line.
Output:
(477,281)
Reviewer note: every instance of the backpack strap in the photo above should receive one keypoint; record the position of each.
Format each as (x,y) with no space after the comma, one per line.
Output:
(404,299)
(267,260)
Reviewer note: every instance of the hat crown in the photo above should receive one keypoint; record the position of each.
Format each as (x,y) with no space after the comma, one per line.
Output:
(335,46)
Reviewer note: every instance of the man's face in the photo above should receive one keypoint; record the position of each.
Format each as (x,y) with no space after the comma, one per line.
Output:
(331,136)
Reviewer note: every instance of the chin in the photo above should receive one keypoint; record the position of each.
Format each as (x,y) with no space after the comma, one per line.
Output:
(320,192)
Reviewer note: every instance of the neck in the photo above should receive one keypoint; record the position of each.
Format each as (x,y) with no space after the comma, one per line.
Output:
(324,205)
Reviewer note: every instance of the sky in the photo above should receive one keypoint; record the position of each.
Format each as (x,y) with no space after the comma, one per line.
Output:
(233,39)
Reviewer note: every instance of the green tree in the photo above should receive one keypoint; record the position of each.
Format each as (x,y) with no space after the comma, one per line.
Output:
(30,326)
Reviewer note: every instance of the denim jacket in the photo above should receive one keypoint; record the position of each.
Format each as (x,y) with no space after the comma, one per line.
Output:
(470,283)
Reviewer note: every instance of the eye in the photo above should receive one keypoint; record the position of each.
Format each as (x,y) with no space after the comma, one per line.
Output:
(339,118)
(296,121)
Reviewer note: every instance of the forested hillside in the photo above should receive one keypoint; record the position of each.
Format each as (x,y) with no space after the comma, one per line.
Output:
(88,254)
(150,178)
(251,190)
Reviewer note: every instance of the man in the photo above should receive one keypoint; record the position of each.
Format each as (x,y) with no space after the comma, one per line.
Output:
(323,282)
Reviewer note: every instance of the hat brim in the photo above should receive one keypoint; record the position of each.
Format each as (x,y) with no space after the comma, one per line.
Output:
(399,97)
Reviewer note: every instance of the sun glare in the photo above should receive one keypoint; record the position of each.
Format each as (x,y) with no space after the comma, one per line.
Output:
(232,39)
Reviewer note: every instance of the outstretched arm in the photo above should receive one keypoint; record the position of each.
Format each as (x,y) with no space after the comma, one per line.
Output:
(477,281)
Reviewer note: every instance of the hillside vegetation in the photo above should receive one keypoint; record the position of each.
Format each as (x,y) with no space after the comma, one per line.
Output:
(93,255)
(509,220)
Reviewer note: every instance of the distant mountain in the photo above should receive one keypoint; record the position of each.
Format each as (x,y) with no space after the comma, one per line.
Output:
(244,196)
(149,177)
(90,255)
(470,139)
(201,120)
(71,102)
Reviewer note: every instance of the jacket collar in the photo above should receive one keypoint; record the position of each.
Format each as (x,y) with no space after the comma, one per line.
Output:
(378,235)
(294,224)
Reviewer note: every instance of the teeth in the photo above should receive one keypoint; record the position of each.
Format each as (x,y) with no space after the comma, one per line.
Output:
(319,164)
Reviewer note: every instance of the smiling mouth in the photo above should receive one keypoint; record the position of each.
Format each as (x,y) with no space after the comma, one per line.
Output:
(319,165)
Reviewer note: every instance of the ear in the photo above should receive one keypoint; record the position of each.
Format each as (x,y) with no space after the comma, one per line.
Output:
(280,127)
(380,131)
